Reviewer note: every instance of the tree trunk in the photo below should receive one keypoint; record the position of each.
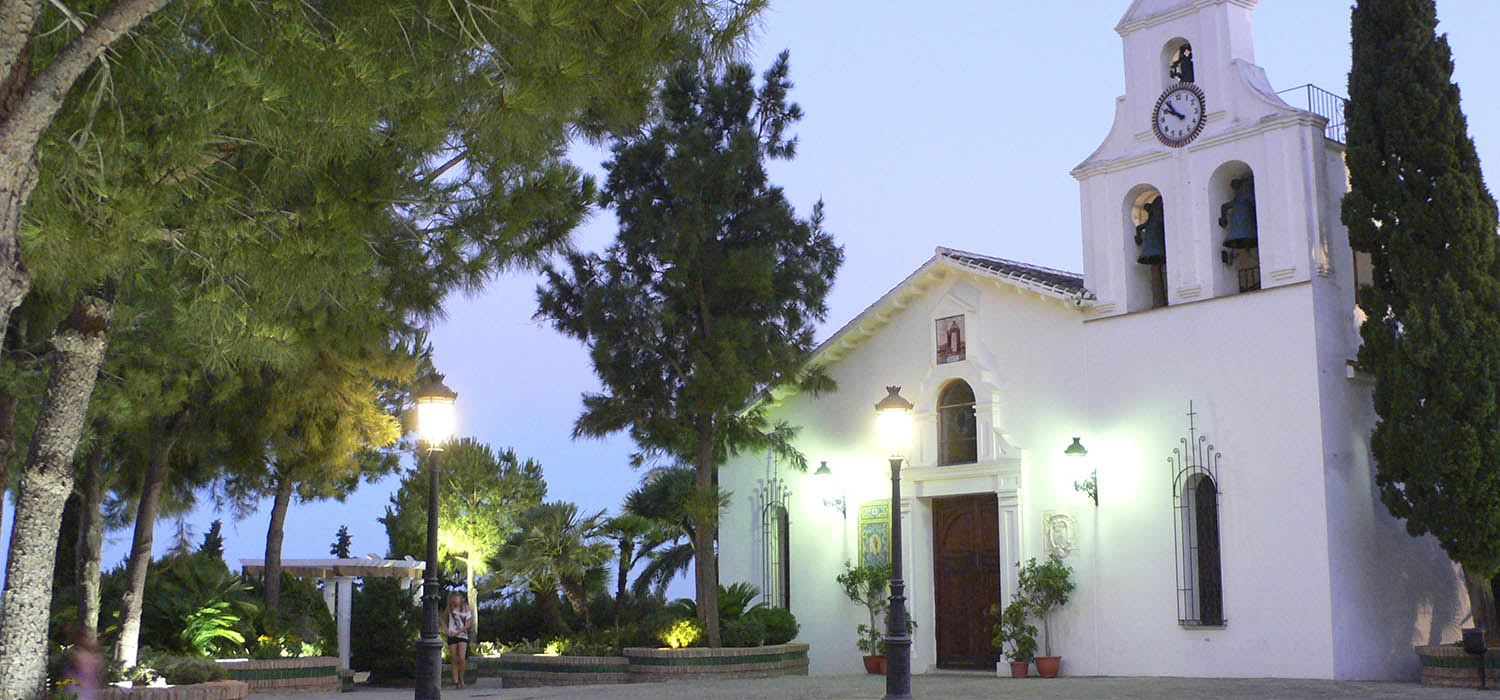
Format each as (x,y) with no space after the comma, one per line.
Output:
(18,174)
(8,403)
(1482,604)
(627,548)
(578,599)
(546,603)
(274,536)
(140,550)
(46,480)
(473,597)
(704,557)
(90,540)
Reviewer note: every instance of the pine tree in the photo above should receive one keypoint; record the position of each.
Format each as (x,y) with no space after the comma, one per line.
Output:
(481,498)
(1418,205)
(213,540)
(341,543)
(709,293)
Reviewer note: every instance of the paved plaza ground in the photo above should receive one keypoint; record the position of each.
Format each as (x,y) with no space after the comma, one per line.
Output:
(944,686)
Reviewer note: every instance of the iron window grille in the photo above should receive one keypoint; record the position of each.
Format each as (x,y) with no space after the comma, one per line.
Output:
(771,494)
(1195,520)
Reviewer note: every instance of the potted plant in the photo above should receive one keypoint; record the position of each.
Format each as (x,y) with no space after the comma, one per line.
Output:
(869,586)
(1044,587)
(1015,635)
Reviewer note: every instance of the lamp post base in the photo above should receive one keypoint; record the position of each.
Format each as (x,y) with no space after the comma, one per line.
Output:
(429,669)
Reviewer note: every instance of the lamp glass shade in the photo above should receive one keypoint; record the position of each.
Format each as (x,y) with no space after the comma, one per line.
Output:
(823,470)
(436,419)
(893,421)
(1076,449)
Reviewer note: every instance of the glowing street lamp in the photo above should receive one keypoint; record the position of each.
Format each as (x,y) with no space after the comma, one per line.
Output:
(436,420)
(894,425)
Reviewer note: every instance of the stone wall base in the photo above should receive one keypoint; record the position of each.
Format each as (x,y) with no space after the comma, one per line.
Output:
(1448,665)
(213,690)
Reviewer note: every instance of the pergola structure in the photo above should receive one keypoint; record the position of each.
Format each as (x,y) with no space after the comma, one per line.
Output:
(338,577)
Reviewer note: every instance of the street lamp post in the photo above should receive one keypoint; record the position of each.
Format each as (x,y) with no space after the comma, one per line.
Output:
(893,422)
(435,421)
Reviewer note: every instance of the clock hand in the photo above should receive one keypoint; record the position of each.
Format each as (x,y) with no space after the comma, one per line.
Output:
(1169,109)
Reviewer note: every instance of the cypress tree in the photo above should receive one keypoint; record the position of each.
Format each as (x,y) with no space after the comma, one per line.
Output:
(1418,205)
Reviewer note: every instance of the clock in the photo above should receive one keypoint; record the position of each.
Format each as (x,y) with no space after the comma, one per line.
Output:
(1179,114)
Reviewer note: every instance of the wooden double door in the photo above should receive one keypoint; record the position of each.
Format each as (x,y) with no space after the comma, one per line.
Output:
(966,572)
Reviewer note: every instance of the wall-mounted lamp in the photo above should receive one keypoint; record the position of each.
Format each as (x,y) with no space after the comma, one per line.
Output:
(825,476)
(1090,485)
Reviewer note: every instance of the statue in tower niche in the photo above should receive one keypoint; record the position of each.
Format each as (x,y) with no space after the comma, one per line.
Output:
(1151,235)
(1182,66)
(1238,215)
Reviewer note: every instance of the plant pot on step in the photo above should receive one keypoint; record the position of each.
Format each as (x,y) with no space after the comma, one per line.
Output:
(1047,666)
(875,664)
(1020,669)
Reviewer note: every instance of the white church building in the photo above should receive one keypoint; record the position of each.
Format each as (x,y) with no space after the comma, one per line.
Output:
(1204,359)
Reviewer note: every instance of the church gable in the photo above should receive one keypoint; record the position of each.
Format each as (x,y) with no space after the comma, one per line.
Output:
(964,276)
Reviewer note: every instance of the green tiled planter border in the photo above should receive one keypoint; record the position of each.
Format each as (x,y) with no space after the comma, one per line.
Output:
(309,673)
(263,674)
(716,660)
(564,667)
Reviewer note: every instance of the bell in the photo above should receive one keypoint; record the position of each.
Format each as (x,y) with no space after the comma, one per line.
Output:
(1238,216)
(1151,235)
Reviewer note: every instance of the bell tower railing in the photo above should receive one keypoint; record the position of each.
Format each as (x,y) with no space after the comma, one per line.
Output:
(1321,102)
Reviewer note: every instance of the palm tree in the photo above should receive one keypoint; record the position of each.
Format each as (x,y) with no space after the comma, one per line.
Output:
(556,548)
(663,497)
(636,538)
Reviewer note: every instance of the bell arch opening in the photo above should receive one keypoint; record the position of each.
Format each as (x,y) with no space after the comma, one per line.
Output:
(1177,61)
(958,436)
(1232,214)
(1145,245)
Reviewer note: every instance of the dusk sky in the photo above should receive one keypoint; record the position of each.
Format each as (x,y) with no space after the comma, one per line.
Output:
(934,124)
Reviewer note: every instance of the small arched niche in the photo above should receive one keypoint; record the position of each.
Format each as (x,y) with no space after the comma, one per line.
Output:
(1145,249)
(1177,61)
(1232,214)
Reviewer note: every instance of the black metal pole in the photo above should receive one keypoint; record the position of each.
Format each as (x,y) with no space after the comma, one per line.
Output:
(430,647)
(897,638)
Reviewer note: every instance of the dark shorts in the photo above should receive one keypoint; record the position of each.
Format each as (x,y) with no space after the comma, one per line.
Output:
(458,640)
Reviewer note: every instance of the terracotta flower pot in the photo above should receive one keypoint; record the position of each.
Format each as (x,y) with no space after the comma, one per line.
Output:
(875,664)
(1020,669)
(1047,666)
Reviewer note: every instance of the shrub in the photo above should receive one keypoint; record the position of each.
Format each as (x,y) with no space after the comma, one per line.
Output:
(744,632)
(194,604)
(779,623)
(383,630)
(176,669)
(683,633)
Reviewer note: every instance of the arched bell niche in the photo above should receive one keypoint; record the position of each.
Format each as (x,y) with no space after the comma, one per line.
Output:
(1177,62)
(1144,241)
(1236,235)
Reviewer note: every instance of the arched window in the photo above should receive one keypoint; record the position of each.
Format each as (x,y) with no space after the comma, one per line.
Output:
(1195,502)
(958,441)
(1200,590)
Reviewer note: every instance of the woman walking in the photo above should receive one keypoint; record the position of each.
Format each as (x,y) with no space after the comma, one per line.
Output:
(458,620)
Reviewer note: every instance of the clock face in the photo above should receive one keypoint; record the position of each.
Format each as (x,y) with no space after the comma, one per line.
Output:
(1179,114)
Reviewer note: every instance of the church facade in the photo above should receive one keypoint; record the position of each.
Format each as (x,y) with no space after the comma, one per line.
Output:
(1225,520)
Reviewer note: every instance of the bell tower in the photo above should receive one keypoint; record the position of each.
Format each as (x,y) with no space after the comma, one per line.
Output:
(1208,184)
